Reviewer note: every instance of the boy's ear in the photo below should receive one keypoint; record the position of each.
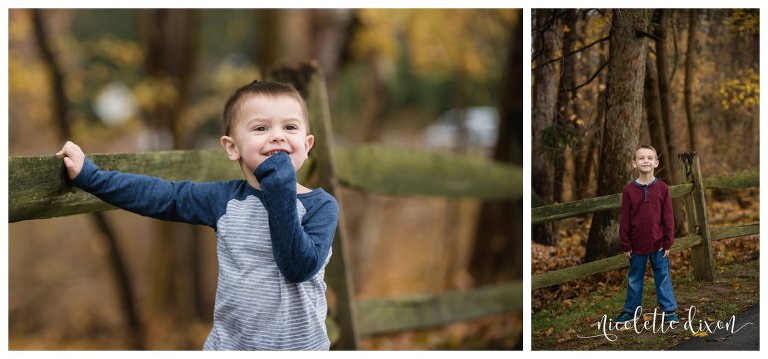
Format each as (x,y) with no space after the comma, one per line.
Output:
(229,145)
(309,142)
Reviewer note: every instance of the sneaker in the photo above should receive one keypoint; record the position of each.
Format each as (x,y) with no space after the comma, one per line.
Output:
(671,317)
(624,317)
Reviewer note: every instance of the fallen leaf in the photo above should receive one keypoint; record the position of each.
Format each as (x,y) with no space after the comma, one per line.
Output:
(701,334)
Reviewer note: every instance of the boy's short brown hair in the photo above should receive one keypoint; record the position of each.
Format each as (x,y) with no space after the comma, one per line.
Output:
(260,88)
(648,147)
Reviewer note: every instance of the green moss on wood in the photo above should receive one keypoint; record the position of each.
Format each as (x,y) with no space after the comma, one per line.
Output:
(397,171)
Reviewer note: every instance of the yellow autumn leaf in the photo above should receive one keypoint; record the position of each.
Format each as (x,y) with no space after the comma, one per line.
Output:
(701,334)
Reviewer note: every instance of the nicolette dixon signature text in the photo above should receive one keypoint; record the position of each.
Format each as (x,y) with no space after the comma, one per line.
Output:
(657,325)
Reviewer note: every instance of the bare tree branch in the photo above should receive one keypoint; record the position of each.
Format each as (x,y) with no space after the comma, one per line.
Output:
(591,78)
(574,52)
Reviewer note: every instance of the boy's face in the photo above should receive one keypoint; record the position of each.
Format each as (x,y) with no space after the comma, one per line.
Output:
(645,160)
(265,125)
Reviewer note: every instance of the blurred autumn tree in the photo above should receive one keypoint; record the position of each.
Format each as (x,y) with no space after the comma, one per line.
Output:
(421,52)
(141,80)
(701,91)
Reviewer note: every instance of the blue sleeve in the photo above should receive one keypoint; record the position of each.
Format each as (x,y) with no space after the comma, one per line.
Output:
(179,201)
(300,249)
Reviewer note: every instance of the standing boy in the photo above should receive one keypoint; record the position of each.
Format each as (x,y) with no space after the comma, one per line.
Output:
(273,235)
(647,231)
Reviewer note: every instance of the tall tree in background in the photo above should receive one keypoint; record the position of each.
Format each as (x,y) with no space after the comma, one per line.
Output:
(330,32)
(624,106)
(660,19)
(689,58)
(655,121)
(499,232)
(585,161)
(566,103)
(169,38)
(376,93)
(116,262)
(545,79)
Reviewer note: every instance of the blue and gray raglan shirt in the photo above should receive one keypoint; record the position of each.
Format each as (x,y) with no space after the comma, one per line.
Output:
(273,245)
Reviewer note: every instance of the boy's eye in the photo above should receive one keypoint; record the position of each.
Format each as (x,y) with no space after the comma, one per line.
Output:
(260,128)
(291,127)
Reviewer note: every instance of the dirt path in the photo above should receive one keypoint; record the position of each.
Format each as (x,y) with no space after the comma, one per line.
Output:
(745,337)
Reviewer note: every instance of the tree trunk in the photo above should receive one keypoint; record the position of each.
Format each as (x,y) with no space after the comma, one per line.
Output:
(626,72)
(497,252)
(655,122)
(692,28)
(170,41)
(328,32)
(268,22)
(565,97)
(116,262)
(660,19)
(283,37)
(545,108)
(374,103)
(585,162)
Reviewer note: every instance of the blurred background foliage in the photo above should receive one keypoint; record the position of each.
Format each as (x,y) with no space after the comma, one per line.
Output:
(142,80)
(422,61)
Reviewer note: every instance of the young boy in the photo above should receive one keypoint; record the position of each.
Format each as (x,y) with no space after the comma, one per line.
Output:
(647,231)
(273,235)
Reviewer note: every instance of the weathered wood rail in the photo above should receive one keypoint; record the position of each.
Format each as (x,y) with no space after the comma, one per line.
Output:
(703,267)
(577,208)
(39,189)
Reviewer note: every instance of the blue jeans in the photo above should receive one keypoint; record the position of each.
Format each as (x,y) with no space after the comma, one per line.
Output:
(636,276)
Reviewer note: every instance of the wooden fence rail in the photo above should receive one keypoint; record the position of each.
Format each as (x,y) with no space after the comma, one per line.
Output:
(585,206)
(703,266)
(620,260)
(39,188)
(378,316)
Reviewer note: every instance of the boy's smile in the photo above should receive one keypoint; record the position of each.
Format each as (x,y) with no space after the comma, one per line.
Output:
(263,127)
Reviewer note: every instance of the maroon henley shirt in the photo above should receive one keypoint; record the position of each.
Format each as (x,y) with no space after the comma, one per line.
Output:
(647,221)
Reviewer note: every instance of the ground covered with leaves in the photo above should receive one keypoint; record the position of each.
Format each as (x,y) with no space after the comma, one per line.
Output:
(564,313)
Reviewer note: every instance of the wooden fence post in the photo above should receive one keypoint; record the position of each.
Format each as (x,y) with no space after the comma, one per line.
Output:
(309,81)
(701,255)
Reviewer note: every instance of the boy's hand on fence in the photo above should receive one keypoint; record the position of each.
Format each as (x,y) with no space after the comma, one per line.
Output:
(73,158)
(629,254)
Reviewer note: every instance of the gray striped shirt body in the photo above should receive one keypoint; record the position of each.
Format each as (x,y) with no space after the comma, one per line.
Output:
(256,308)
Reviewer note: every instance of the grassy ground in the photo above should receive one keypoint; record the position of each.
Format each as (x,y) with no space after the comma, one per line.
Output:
(560,324)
